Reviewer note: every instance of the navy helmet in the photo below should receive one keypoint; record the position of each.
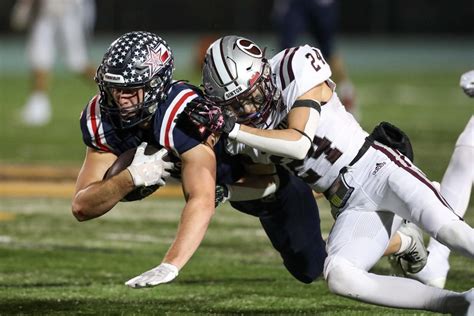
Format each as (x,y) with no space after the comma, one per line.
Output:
(135,60)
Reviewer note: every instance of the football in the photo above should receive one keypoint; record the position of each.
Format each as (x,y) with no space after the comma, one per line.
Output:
(122,162)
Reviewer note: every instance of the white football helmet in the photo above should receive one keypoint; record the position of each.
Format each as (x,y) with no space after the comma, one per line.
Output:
(235,72)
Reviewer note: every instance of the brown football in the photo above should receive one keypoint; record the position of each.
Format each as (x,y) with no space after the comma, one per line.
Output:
(122,162)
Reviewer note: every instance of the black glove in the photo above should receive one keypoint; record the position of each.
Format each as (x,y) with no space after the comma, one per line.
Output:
(393,137)
(204,112)
(222,194)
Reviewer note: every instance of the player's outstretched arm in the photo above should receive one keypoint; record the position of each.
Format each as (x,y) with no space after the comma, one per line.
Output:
(198,179)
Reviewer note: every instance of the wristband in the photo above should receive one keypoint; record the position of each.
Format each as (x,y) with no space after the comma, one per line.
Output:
(233,133)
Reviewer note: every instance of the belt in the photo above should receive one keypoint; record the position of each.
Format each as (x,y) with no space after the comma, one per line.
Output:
(363,149)
(339,192)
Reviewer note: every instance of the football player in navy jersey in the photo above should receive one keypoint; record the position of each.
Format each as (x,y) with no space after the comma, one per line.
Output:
(139,104)
(284,205)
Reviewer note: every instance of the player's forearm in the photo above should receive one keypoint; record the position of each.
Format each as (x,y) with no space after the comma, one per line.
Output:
(193,225)
(287,143)
(99,197)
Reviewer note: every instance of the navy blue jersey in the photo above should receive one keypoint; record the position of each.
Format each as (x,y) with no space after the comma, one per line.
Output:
(169,129)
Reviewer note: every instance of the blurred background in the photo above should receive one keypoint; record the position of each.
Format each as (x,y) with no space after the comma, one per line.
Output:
(403,60)
(406,28)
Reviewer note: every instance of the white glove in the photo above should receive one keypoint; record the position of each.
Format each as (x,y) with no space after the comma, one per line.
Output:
(149,169)
(164,273)
(467,83)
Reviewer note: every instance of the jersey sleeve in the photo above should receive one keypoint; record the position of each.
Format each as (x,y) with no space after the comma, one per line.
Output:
(299,69)
(93,128)
(175,132)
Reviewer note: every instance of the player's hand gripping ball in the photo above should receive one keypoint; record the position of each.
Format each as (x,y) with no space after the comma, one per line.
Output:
(124,161)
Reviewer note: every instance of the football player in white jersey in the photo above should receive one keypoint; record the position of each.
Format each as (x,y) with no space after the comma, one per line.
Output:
(285,111)
(456,188)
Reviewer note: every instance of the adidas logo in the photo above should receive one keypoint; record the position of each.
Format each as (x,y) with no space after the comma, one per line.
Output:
(378,166)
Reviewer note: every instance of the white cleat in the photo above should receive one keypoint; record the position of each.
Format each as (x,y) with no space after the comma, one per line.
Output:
(37,111)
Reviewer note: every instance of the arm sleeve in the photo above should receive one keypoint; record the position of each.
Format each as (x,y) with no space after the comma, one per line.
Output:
(293,149)
(93,128)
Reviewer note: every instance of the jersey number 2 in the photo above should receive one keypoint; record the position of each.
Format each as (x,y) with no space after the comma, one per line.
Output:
(313,60)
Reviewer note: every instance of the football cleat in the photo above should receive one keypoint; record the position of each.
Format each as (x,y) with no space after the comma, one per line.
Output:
(465,308)
(414,258)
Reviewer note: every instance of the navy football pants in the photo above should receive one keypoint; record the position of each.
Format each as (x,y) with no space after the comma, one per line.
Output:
(291,221)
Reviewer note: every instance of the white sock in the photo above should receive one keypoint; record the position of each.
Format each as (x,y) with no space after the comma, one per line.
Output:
(405,242)
(458,179)
(457,183)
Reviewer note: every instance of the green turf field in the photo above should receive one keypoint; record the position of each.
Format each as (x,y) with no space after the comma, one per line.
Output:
(51,264)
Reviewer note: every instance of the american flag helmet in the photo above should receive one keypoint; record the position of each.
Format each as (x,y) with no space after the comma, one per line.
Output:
(235,71)
(135,60)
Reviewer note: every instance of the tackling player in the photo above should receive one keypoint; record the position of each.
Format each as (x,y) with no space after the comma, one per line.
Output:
(285,111)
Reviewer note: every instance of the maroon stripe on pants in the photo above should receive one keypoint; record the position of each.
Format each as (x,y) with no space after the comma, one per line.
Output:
(413,173)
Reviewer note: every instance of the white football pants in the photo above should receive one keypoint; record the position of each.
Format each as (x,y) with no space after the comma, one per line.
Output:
(387,187)
(457,182)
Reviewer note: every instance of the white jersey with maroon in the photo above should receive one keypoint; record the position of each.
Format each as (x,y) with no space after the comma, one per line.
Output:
(384,187)
(338,136)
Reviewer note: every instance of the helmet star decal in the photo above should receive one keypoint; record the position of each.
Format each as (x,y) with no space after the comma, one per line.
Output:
(135,60)
(156,58)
